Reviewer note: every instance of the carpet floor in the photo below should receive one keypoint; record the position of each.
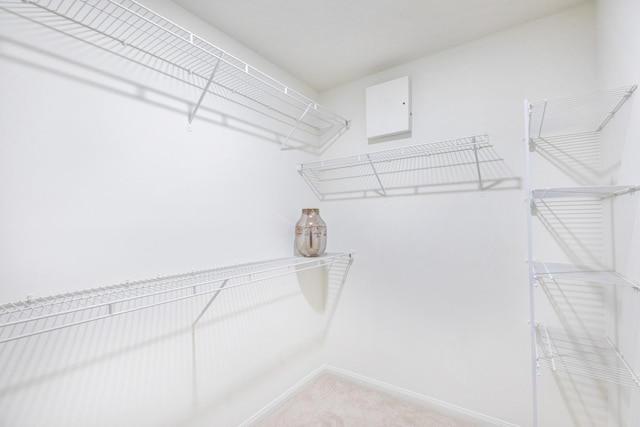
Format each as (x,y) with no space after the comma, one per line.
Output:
(331,401)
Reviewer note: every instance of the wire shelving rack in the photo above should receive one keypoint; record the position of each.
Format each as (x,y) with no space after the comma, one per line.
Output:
(596,358)
(469,161)
(583,113)
(132,31)
(36,316)
(567,131)
(581,273)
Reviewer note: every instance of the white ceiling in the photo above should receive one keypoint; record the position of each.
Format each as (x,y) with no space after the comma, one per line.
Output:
(325,43)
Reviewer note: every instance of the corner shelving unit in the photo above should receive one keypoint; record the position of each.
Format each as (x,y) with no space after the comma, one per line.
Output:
(469,162)
(550,124)
(132,31)
(36,316)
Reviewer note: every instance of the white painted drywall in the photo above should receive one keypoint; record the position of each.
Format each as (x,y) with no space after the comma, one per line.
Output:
(101,182)
(437,300)
(619,62)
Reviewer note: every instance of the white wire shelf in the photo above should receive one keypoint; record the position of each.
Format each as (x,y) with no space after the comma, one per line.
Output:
(469,161)
(580,273)
(602,192)
(596,358)
(582,113)
(31,317)
(135,32)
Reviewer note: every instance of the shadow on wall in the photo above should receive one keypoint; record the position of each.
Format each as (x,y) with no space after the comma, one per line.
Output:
(158,366)
(69,49)
(577,155)
(588,229)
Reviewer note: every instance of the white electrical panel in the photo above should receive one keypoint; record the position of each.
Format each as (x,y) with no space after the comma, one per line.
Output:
(389,108)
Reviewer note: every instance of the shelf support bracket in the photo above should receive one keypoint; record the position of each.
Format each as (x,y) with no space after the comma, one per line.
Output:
(206,307)
(622,360)
(475,153)
(375,172)
(295,127)
(617,107)
(544,112)
(192,115)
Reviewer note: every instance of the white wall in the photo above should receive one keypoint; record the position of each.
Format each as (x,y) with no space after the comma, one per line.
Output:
(437,298)
(619,65)
(100,182)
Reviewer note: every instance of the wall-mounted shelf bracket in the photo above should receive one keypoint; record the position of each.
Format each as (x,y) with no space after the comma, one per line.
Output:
(295,126)
(375,173)
(206,307)
(204,91)
(475,153)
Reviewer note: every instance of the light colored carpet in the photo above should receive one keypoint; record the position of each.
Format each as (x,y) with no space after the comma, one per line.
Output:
(331,401)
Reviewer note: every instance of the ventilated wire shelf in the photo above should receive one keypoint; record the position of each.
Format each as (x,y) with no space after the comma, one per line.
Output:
(576,219)
(583,113)
(596,358)
(602,192)
(469,161)
(568,133)
(130,30)
(581,273)
(30,317)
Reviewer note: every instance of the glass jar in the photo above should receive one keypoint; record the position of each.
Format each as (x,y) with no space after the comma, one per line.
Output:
(311,234)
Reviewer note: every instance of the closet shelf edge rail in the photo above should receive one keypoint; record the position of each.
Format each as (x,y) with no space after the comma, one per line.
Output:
(286,267)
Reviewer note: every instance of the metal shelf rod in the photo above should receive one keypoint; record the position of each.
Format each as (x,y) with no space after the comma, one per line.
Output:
(375,172)
(204,92)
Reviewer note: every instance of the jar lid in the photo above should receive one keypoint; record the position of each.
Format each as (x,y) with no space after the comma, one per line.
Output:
(308,211)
